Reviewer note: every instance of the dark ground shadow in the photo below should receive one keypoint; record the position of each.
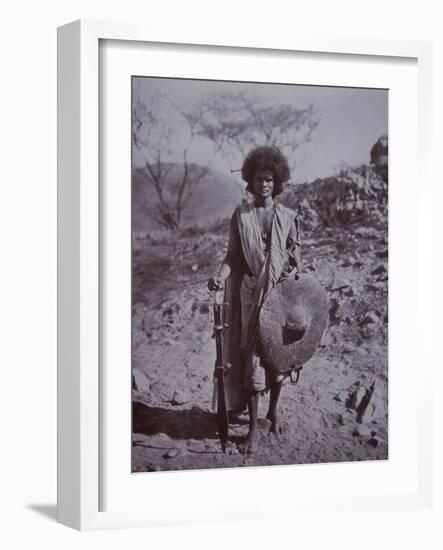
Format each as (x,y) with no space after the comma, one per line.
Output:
(192,423)
(180,424)
(47,510)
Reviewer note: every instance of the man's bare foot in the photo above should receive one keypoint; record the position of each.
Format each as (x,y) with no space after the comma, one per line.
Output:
(276,426)
(249,443)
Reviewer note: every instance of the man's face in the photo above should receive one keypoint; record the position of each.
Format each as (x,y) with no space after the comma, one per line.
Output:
(263,184)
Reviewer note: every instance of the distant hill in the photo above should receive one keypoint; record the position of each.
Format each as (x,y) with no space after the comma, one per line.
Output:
(215,198)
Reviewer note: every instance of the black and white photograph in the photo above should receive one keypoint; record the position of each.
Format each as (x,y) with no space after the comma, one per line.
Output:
(259,274)
(222,292)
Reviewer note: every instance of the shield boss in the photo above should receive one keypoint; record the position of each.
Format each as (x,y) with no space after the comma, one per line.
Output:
(292,321)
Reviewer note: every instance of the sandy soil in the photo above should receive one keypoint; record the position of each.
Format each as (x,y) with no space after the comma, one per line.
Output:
(173,357)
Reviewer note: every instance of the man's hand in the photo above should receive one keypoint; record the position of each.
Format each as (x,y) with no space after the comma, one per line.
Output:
(215,283)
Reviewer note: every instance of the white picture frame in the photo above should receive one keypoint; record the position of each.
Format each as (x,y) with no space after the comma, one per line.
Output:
(79,264)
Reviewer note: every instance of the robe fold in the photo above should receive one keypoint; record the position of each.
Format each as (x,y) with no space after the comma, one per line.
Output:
(256,265)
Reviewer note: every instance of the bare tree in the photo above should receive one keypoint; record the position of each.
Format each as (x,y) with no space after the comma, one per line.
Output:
(163,142)
(237,122)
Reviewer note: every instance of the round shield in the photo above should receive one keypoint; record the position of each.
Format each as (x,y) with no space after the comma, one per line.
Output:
(292,321)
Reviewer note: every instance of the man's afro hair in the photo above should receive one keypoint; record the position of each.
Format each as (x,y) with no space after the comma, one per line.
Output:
(266,158)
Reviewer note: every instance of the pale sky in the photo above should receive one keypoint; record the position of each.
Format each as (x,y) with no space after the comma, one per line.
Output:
(351,119)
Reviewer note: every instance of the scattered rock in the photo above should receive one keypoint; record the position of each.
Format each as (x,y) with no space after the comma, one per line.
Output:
(377,408)
(359,396)
(368,232)
(339,419)
(378,285)
(370,325)
(368,318)
(179,398)
(172,453)
(172,309)
(367,403)
(139,438)
(195,267)
(340,287)
(349,292)
(382,269)
(170,342)
(354,394)
(139,381)
(334,319)
(341,397)
(374,442)
(364,403)
(362,431)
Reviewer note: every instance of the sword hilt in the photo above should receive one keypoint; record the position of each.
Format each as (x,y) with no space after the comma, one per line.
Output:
(221,369)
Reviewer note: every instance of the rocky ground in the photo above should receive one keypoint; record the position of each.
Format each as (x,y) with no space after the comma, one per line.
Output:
(337,411)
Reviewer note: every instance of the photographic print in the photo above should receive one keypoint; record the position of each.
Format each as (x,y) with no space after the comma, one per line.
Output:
(259,274)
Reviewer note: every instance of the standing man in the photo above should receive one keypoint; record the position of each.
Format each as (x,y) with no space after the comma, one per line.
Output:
(264,248)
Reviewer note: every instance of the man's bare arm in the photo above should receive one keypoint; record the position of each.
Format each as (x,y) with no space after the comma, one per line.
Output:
(232,255)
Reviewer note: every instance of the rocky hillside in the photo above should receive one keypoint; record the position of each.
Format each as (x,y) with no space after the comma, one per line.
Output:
(354,197)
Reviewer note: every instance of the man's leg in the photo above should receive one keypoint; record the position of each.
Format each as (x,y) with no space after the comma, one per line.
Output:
(273,415)
(249,444)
